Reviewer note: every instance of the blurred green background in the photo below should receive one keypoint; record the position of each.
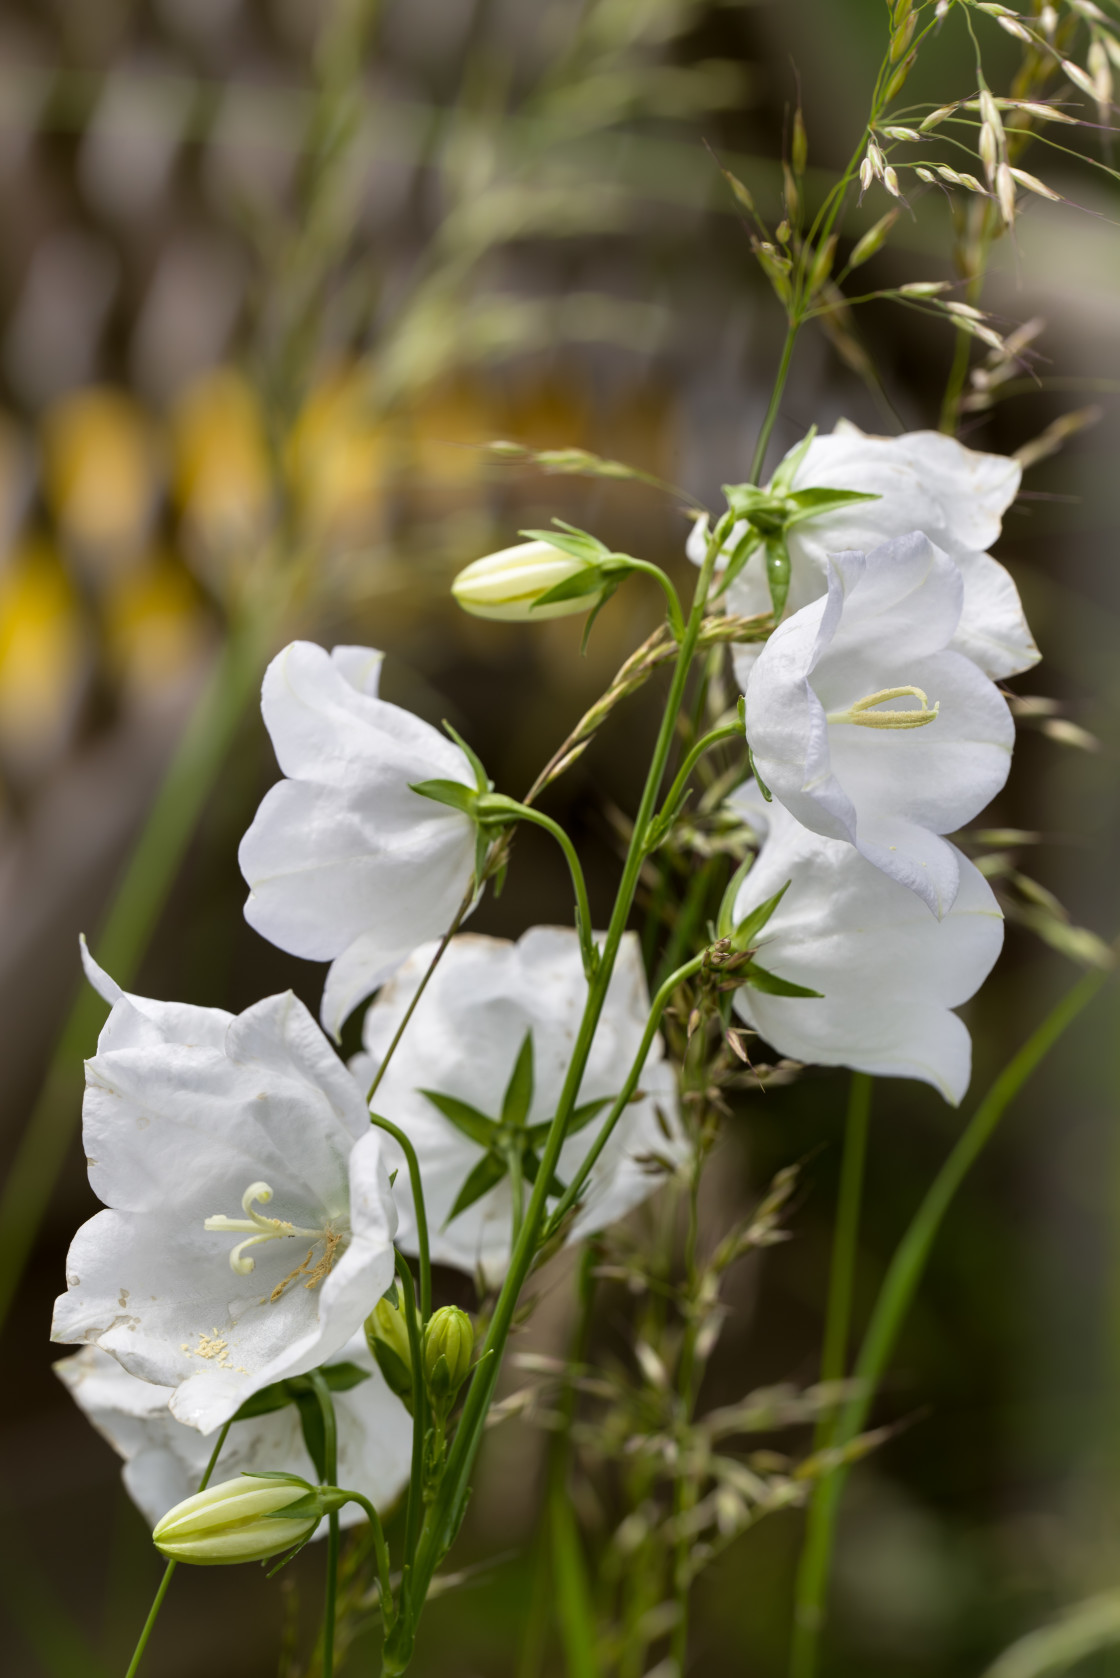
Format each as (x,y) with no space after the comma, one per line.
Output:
(510,227)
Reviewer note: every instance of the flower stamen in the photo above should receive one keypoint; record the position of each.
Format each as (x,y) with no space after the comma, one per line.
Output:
(864,715)
(257,1227)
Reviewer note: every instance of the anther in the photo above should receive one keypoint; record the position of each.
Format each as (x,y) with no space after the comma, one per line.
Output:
(864,715)
(257,1227)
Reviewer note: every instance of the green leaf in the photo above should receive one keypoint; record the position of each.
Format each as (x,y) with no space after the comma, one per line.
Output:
(812,503)
(575,1611)
(759,979)
(343,1377)
(518,1098)
(468,1119)
(486,1175)
(263,1403)
(725,925)
(453,793)
(740,554)
(751,925)
(567,539)
(531,1166)
(311,1426)
(581,1117)
(398,1376)
(610,589)
(761,784)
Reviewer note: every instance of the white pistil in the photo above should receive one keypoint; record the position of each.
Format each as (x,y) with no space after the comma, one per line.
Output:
(257,1227)
(863,714)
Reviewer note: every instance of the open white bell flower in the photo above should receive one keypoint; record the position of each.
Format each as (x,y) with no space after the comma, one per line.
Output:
(478,1074)
(924,481)
(250,1221)
(345,863)
(888,973)
(869,728)
(164,1460)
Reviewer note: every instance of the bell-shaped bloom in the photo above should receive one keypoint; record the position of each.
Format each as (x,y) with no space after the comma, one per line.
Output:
(164,1460)
(925,481)
(888,974)
(478,1074)
(250,1221)
(869,728)
(345,863)
(508,585)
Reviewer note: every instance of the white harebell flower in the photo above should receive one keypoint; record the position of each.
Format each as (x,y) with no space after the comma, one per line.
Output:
(924,481)
(250,1224)
(888,973)
(460,1085)
(345,863)
(868,728)
(164,1460)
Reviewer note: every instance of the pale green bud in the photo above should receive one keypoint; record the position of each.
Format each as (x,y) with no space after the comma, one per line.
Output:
(244,1520)
(387,1338)
(448,1348)
(506,584)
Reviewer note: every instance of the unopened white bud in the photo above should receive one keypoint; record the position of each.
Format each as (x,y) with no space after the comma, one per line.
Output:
(242,1520)
(506,584)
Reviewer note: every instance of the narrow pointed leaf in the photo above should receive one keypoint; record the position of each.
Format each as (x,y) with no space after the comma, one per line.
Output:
(751,925)
(468,1119)
(486,1175)
(453,793)
(811,503)
(518,1098)
(740,554)
(584,585)
(581,1117)
(531,1166)
(760,979)
(472,757)
(787,469)
(571,541)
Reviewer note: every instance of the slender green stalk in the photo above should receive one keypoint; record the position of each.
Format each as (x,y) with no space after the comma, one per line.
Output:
(417,1183)
(498,805)
(560,1538)
(460,917)
(419,1428)
(905,1272)
(707,743)
(516,1193)
(684,1489)
(381,1552)
(622,1099)
(808,1612)
(169,1570)
(120,945)
(330,1478)
(775,401)
(450,1502)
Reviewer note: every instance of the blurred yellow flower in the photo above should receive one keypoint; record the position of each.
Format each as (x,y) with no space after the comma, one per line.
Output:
(220,469)
(155,631)
(99,462)
(42,648)
(337,458)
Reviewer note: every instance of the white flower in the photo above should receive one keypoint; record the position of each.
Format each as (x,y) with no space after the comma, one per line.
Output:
(250,1223)
(888,973)
(464,1042)
(164,1460)
(927,482)
(868,728)
(345,862)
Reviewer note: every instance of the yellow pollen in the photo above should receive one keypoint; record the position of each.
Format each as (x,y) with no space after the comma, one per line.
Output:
(863,714)
(331,1241)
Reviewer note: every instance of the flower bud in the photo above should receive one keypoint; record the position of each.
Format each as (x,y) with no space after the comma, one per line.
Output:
(387,1338)
(244,1520)
(507,584)
(448,1347)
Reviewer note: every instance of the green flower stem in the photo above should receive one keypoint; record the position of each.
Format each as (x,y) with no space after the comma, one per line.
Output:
(419,1431)
(381,1551)
(496,806)
(169,1570)
(775,399)
(900,1285)
(415,1179)
(664,582)
(684,1489)
(450,1503)
(122,940)
(460,916)
(622,1099)
(808,1610)
(707,743)
(330,1478)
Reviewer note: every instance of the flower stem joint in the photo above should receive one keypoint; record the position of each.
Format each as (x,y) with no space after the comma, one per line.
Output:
(448,1349)
(252,1518)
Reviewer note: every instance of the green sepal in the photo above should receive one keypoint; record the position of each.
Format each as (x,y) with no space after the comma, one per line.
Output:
(396,1373)
(439,1378)
(518,1097)
(279,1474)
(487,1174)
(485,784)
(787,468)
(339,1377)
(311,1426)
(812,503)
(570,540)
(769,983)
(740,554)
(584,584)
(531,1166)
(581,1117)
(777,573)
(751,925)
(464,1117)
(759,782)
(263,1403)
(452,793)
(608,591)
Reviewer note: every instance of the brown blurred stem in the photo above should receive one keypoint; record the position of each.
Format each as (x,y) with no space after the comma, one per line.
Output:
(124,937)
